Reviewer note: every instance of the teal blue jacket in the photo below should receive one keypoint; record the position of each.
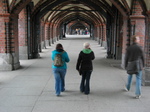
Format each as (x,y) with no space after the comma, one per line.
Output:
(65,58)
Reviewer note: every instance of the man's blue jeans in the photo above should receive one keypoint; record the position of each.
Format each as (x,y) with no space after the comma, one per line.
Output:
(85,81)
(59,75)
(138,82)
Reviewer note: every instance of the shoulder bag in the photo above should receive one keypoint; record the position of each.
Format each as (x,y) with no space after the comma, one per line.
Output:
(133,67)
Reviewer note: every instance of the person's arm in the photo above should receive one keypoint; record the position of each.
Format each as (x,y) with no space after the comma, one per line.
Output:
(67,59)
(93,55)
(78,62)
(126,59)
(142,58)
(52,55)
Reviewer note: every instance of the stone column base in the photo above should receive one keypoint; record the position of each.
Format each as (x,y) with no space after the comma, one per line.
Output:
(104,44)
(36,55)
(23,52)
(48,43)
(43,45)
(146,77)
(8,62)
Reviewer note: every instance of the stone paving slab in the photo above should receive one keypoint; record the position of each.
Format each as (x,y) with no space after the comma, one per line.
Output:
(31,88)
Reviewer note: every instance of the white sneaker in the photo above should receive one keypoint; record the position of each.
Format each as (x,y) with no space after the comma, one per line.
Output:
(138,96)
(126,89)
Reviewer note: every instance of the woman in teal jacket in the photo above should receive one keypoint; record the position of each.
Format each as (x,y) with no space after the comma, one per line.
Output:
(60,72)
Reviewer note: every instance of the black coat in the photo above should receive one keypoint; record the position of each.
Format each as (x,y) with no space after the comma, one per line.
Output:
(134,52)
(84,61)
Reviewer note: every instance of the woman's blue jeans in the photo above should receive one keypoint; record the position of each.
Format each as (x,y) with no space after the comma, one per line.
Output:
(138,82)
(85,81)
(59,75)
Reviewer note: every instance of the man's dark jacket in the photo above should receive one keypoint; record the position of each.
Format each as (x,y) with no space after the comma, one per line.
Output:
(84,61)
(134,52)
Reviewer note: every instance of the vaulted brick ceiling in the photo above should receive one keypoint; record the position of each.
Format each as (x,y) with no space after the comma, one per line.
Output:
(90,11)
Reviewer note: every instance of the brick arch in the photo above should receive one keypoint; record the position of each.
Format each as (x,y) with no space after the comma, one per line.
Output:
(120,7)
(21,5)
(12,4)
(4,7)
(143,6)
(136,8)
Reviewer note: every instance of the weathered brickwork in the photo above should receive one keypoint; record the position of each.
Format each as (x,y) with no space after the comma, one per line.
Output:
(137,9)
(42,31)
(2,36)
(138,21)
(104,32)
(22,28)
(46,31)
(147,41)
(14,33)
(3,21)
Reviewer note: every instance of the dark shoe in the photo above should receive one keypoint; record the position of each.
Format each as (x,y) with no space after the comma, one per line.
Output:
(86,93)
(58,95)
(81,91)
(63,90)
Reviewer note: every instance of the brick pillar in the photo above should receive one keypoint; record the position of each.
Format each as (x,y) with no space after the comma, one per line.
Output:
(101,34)
(95,32)
(57,32)
(42,35)
(23,48)
(54,33)
(104,36)
(9,58)
(139,22)
(146,77)
(51,33)
(14,40)
(98,33)
(6,58)
(147,41)
(139,29)
(46,33)
(125,39)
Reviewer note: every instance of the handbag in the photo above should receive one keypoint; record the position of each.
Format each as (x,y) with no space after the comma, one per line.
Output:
(133,67)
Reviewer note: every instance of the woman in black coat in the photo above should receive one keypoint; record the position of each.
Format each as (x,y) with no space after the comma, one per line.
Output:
(85,67)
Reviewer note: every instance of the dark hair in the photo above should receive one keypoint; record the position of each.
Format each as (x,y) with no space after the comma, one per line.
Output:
(59,46)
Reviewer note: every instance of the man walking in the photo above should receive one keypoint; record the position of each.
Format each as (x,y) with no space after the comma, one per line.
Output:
(135,53)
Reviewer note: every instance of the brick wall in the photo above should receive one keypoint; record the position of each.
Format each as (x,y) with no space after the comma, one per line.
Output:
(3,21)
(2,36)
(137,9)
(14,33)
(147,41)
(46,31)
(22,28)
(138,21)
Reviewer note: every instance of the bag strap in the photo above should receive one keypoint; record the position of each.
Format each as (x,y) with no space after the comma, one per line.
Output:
(62,52)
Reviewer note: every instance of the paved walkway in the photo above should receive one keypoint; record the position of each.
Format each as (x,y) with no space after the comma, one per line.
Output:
(31,88)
